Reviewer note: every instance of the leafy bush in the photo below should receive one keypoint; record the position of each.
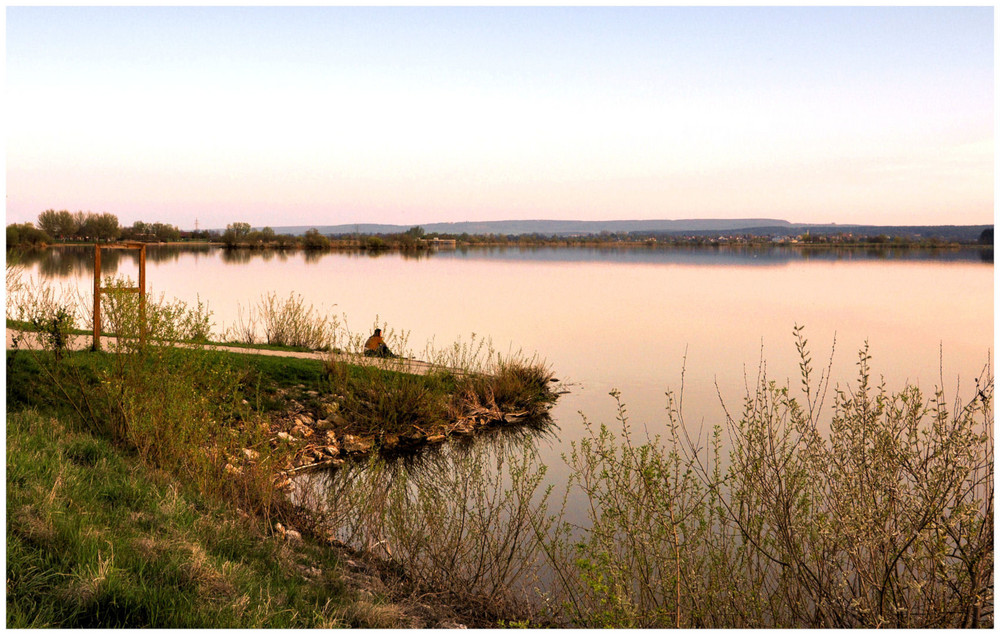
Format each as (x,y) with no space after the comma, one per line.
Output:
(885,521)
(312,239)
(26,235)
(55,328)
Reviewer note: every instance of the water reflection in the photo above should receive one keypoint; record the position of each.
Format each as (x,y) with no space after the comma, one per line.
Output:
(172,253)
(244,256)
(718,255)
(64,262)
(492,440)
(465,517)
(507,438)
(74,261)
(313,256)
(325,491)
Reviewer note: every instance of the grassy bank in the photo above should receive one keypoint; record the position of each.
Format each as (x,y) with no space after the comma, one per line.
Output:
(149,523)
(145,483)
(99,539)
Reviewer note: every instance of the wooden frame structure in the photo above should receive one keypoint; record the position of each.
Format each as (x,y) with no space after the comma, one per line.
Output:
(141,289)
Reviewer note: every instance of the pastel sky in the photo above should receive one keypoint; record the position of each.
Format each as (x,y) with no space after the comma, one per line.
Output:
(329,115)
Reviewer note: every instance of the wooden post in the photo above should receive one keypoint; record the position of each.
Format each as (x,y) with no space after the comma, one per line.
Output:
(96,346)
(142,294)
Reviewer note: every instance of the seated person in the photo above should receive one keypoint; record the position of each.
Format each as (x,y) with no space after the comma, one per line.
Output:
(375,346)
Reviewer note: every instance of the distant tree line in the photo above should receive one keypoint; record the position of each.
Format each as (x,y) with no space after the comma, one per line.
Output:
(65,226)
(242,236)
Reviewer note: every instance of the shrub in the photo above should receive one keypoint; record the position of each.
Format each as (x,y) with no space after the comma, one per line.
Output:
(55,328)
(26,235)
(312,239)
(374,243)
(884,521)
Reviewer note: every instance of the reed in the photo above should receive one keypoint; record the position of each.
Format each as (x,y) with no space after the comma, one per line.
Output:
(515,385)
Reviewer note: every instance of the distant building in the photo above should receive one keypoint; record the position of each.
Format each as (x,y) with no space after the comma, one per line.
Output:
(447,243)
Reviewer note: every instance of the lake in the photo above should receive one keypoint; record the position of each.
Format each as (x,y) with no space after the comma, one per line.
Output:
(631,319)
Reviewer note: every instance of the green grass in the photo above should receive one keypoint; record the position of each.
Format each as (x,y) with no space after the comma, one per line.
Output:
(22,325)
(97,540)
(27,386)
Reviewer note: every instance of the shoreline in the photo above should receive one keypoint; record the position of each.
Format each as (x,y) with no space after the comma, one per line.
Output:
(567,244)
(319,434)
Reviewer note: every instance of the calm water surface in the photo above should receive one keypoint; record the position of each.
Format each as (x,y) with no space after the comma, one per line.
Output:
(623,319)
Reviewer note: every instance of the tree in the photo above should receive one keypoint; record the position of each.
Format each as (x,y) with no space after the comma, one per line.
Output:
(139,231)
(105,226)
(26,235)
(60,224)
(87,228)
(415,232)
(68,226)
(48,222)
(235,234)
(315,240)
(99,227)
(80,224)
(165,232)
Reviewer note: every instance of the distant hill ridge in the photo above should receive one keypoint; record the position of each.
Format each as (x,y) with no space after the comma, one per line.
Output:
(546,227)
(693,226)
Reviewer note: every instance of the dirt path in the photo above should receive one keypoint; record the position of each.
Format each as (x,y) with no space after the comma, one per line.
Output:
(82,342)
